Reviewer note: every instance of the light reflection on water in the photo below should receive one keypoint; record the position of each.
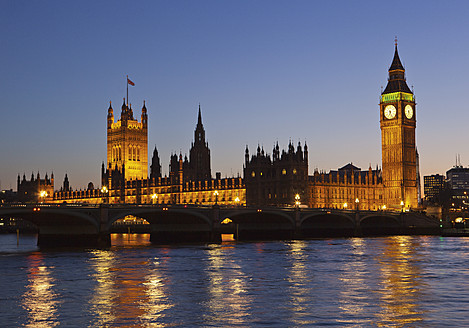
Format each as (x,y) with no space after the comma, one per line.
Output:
(358,282)
(300,292)
(40,300)
(228,299)
(400,286)
(353,294)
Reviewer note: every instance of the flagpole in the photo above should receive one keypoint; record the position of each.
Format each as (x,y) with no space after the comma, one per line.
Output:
(127,82)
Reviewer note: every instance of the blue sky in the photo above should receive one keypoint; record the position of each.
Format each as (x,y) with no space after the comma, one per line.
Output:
(263,71)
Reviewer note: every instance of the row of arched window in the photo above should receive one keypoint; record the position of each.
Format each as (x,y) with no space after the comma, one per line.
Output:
(116,153)
(133,155)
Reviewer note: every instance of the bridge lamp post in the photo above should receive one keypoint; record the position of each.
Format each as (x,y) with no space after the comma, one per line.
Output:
(345,206)
(216,196)
(297,200)
(237,201)
(384,207)
(105,192)
(154,197)
(357,202)
(402,206)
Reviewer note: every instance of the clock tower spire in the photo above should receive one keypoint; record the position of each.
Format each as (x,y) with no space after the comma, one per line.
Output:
(398,123)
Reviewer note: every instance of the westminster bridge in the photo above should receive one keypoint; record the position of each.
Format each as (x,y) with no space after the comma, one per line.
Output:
(88,225)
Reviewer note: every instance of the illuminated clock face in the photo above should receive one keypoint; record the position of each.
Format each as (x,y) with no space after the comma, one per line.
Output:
(409,112)
(390,111)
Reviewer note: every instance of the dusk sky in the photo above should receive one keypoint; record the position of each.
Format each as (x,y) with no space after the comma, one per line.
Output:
(263,71)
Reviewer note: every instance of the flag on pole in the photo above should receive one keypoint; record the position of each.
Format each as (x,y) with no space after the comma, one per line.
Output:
(130,82)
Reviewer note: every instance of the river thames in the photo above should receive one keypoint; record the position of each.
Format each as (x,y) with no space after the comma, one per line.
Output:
(399,281)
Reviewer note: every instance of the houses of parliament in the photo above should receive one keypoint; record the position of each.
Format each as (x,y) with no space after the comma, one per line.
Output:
(277,179)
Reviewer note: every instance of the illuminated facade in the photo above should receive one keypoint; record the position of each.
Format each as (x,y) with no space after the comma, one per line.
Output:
(397,123)
(347,188)
(127,143)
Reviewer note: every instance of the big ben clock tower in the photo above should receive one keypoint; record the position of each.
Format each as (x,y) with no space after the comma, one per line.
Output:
(398,122)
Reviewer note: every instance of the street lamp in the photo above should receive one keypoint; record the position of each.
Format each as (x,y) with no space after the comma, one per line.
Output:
(43,195)
(105,191)
(357,201)
(384,207)
(297,200)
(237,200)
(345,206)
(216,196)
(154,197)
(402,206)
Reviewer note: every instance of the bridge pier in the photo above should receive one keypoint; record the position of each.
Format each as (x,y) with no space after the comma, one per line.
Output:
(297,233)
(357,229)
(216,225)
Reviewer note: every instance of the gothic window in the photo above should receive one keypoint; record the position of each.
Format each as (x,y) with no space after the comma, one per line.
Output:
(120,154)
(138,154)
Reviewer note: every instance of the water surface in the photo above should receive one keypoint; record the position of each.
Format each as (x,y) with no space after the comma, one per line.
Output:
(400,281)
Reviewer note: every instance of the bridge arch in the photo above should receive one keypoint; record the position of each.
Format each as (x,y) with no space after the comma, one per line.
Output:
(257,224)
(327,224)
(240,214)
(45,216)
(380,224)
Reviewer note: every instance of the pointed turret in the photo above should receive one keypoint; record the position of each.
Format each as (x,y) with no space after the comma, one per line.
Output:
(155,167)
(66,184)
(131,112)
(144,115)
(124,107)
(110,115)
